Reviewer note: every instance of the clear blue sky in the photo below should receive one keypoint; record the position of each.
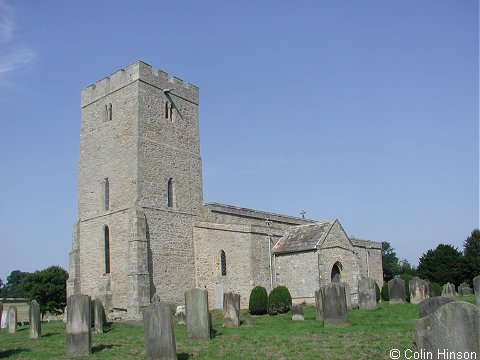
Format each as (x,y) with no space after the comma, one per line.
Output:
(365,111)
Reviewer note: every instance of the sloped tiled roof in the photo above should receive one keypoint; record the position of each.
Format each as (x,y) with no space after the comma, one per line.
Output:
(366,243)
(302,237)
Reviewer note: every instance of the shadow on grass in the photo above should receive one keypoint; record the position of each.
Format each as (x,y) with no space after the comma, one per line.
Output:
(8,353)
(183,356)
(99,348)
(51,334)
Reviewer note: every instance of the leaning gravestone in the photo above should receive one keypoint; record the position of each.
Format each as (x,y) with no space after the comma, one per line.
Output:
(99,315)
(158,332)
(448,290)
(452,329)
(198,318)
(249,321)
(297,313)
(180,314)
(231,310)
(396,291)
(430,305)
(79,330)
(334,304)
(367,294)
(418,290)
(318,305)
(35,320)
(476,287)
(348,295)
(12,319)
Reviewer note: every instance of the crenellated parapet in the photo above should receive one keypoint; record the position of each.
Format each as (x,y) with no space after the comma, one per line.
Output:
(142,72)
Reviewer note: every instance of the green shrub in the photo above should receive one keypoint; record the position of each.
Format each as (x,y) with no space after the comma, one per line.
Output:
(279,301)
(377,292)
(258,302)
(407,278)
(384,292)
(435,289)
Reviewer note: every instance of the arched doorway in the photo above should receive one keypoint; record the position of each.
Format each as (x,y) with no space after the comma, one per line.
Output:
(336,274)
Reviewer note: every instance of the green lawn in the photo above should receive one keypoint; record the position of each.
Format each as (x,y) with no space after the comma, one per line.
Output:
(370,335)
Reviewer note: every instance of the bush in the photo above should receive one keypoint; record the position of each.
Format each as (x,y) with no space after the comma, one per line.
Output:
(377,292)
(258,302)
(279,301)
(435,289)
(384,292)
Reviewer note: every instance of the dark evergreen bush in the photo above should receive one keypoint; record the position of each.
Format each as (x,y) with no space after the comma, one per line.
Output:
(258,302)
(377,292)
(435,289)
(385,295)
(279,301)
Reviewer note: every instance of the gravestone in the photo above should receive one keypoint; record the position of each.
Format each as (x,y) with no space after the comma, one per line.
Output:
(231,310)
(396,291)
(448,290)
(464,289)
(79,330)
(334,304)
(418,290)
(318,305)
(158,332)
(99,315)
(12,319)
(348,295)
(198,318)
(1,315)
(35,320)
(219,290)
(367,295)
(180,314)
(430,305)
(297,313)
(4,320)
(249,321)
(476,287)
(452,329)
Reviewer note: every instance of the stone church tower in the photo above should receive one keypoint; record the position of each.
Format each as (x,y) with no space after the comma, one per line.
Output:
(139,190)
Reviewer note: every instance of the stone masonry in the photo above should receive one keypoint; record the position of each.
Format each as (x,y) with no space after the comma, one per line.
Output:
(142,226)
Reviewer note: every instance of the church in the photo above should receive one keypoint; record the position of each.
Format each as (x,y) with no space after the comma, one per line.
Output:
(142,226)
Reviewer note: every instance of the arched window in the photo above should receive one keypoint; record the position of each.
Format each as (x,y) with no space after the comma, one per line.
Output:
(223,263)
(109,112)
(168,110)
(170,193)
(336,274)
(106,194)
(106,236)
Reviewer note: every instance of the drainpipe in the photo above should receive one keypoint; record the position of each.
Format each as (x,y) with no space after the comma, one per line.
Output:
(269,237)
(368,264)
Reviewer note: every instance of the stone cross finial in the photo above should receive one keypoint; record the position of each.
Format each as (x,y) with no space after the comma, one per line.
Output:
(303,214)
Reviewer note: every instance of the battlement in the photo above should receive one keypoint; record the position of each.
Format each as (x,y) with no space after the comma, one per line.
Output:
(143,72)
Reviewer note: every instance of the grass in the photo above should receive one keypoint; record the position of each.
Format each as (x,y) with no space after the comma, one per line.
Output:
(370,335)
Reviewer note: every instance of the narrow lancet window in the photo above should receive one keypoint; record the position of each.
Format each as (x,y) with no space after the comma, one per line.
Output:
(167,109)
(106,194)
(109,112)
(170,193)
(223,263)
(106,236)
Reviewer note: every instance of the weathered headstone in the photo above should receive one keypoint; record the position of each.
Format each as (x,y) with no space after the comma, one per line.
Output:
(418,290)
(448,290)
(348,295)
(476,287)
(1,315)
(465,289)
(219,291)
(196,306)
(12,319)
(99,315)
(334,304)
(297,313)
(79,330)
(180,314)
(249,321)
(318,305)
(430,305)
(396,291)
(4,321)
(452,329)
(35,320)
(367,295)
(231,310)
(158,332)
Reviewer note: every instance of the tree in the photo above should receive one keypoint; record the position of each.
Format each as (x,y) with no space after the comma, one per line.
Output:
(48,288)
(389,261)
(471,251)
(13,287)
(404,267)
(442,265)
